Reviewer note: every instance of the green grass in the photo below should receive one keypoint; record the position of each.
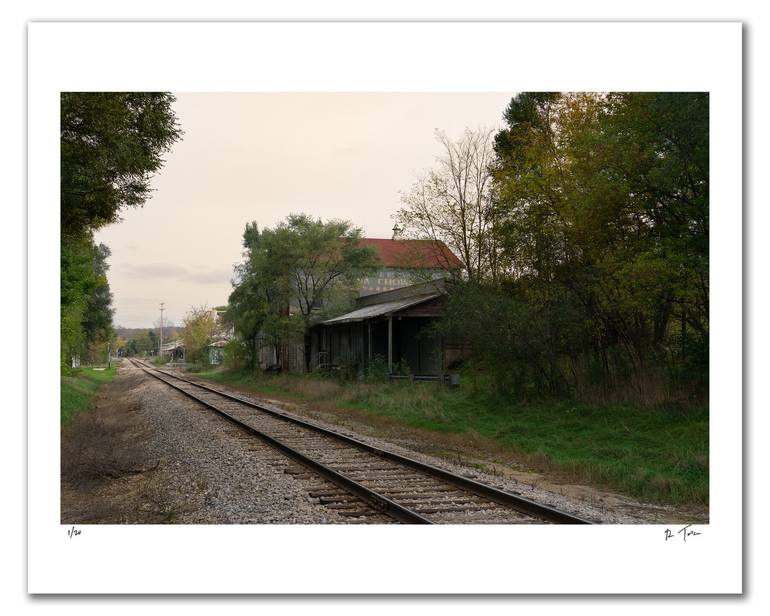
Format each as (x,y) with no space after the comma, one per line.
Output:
(78,389)
(657,454)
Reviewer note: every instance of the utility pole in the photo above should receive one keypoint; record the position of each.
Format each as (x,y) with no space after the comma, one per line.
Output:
(160,348)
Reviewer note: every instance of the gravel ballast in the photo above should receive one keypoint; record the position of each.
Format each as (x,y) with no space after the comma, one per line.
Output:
(198,469)
(576,507)
(597,506)
(190,466)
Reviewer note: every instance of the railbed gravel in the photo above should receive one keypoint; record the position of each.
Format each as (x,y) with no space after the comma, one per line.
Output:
(209,474)
(581,508)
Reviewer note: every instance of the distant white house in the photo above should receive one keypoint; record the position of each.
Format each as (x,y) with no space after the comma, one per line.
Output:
(175,349)
(217,352)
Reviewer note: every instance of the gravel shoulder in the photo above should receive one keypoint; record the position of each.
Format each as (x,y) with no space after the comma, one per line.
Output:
(159,458)
(146,454)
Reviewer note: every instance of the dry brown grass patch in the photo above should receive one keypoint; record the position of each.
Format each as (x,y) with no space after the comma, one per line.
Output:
(101,444)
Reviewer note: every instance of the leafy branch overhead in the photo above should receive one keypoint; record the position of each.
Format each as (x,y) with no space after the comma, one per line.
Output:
(111,145)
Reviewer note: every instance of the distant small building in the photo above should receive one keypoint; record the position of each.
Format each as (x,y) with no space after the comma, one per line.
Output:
(174,350)
(217,352)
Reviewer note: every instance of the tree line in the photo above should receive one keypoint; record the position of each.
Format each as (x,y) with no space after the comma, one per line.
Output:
(111,144)
(584,228)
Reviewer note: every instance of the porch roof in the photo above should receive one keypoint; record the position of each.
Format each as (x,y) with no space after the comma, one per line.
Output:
(174,344)
(378,310)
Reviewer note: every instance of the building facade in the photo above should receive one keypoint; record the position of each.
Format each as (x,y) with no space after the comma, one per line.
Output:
(393,328)
(410,273)
(403,263)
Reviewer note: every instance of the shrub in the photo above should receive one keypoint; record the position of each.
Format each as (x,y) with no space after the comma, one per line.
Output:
(238,354)
(378,370)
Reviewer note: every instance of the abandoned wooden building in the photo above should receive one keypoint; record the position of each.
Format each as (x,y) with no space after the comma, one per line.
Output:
(406,285)
(174,350)
(393,327)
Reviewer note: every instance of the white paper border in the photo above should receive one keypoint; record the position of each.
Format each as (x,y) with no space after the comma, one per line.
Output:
(438,57)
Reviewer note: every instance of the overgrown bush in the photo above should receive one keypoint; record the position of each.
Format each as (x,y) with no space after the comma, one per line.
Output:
(238,354)
(377,371)
(347,371)
(534,343)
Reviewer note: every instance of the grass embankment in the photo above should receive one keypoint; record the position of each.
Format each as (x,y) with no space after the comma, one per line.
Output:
(654,454)
(78,389)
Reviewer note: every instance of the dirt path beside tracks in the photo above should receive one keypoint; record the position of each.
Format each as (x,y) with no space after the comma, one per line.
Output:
(145,455)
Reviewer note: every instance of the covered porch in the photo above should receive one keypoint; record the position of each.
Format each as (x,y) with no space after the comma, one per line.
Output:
(397,333)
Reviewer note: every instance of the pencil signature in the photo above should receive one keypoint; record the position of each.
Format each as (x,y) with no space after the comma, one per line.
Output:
(684,532)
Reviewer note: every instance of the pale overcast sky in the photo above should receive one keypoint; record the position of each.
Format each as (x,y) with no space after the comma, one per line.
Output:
(252,156)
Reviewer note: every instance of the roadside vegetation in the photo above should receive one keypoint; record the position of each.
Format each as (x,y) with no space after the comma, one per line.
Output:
(78,389)
(657,454)
(111,145)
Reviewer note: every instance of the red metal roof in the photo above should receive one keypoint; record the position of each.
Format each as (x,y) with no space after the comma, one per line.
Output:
(420,254)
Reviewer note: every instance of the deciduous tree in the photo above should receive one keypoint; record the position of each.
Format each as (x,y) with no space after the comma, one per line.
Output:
(293,274)
(455,203)
(200,326)
(111,144)
(602,227)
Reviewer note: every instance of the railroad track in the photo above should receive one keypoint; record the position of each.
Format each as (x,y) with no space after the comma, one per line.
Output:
(363,482)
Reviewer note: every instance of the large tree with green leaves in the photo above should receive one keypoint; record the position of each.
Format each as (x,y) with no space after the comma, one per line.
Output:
(86,300)
(111,145)
(294,274)
(602,227)
(250,301)
(200,327)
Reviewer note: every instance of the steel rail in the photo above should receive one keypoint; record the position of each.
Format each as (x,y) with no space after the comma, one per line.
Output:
(372,498)
(519,503)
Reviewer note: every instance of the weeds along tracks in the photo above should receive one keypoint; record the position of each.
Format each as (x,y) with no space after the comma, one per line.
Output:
(364,482)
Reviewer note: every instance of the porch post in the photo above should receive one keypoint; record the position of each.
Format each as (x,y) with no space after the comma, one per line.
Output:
(369,325)
(390,344)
